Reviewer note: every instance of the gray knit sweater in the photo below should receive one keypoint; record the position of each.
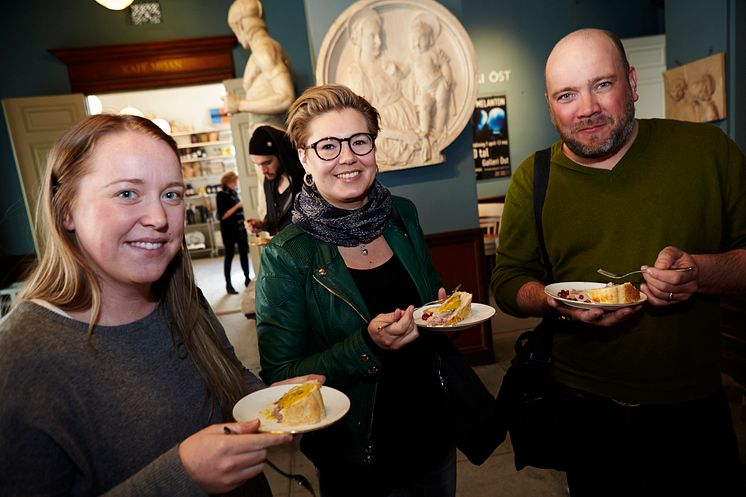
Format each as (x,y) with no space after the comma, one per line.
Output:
(105,417)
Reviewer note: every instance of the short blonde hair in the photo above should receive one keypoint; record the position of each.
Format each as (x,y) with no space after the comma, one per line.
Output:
(319,100)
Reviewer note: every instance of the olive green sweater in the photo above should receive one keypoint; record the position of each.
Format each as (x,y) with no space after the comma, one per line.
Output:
(680,184)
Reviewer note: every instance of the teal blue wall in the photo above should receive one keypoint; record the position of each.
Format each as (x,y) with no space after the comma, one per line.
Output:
(695,32)
(517,37)
(507,35)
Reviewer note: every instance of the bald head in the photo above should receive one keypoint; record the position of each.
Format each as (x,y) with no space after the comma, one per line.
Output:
(591,91)
(579,42)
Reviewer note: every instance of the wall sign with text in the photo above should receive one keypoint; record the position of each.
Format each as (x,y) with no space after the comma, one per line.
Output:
(491,144)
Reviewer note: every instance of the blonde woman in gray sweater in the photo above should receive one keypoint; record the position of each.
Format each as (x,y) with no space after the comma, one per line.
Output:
(115,376)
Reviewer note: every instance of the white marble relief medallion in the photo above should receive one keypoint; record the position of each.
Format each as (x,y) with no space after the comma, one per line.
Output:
(413,60)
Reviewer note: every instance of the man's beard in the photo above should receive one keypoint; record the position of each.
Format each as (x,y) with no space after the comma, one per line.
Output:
(612,144)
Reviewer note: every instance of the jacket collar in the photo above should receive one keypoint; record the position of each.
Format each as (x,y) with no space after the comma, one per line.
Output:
(331,272)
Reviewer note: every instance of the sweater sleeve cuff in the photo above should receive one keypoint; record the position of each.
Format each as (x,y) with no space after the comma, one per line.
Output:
(164,476)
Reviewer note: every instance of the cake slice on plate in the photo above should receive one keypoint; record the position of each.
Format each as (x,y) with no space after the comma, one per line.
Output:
(625,293)
(453,310)
(302,404)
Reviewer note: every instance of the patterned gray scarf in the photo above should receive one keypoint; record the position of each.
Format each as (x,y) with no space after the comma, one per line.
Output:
(322,220)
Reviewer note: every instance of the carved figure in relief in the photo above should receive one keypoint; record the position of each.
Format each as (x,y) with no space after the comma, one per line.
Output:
(267,78)
(380,79)
(432,78)
(678,105)
(704,108)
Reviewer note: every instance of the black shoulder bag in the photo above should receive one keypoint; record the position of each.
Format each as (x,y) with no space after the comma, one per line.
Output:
(526,394)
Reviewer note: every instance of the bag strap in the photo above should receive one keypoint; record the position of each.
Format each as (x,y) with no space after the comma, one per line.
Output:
(541,181)
(542,346)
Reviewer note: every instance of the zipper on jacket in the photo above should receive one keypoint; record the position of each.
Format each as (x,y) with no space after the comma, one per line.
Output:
(342,298)
(369,448)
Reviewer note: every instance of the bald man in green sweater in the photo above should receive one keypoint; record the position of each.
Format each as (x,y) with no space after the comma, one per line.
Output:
(640,385)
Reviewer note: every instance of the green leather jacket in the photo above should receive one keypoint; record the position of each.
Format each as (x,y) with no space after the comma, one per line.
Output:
(311,319)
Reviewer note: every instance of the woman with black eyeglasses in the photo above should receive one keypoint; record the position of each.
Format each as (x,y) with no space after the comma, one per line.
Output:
(336,295)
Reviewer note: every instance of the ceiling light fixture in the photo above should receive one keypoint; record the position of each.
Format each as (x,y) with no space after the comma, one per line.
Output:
(115,4)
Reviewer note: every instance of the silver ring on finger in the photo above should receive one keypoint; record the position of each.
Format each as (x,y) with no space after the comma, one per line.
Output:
(670,296)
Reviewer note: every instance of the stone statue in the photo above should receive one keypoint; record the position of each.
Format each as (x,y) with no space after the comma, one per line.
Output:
(267,79)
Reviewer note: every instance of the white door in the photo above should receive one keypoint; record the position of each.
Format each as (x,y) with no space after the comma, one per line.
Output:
(647,54)
(34,124)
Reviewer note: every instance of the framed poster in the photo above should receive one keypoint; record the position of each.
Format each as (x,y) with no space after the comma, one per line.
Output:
(491,144)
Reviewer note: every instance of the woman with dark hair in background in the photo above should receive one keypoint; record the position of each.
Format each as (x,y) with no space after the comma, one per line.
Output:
(232,229)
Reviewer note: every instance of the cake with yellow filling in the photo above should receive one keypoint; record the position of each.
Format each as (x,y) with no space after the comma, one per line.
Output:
(454,309)
(302,404)
(614,294)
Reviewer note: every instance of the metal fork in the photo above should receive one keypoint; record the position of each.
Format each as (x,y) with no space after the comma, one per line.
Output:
(299,479)
(615,276)
(437,301)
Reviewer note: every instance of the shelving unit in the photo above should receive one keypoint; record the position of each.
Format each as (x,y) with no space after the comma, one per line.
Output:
(205,155)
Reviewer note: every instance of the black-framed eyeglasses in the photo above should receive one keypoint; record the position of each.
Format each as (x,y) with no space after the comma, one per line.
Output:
(330,147)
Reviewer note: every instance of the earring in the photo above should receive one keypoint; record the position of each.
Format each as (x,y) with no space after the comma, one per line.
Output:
(308,179)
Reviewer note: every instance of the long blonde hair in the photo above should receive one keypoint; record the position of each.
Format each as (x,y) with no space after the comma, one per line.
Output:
(63,276)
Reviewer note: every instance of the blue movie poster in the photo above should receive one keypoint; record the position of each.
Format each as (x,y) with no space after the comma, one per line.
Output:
(491,145)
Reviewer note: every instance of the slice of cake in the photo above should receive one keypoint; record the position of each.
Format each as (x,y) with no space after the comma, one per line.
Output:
(454,309)
(302,404)
(614,294)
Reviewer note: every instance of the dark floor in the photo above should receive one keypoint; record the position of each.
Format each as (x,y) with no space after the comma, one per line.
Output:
(496,477)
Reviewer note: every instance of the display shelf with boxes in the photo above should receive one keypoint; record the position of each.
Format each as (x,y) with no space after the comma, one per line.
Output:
(205,156)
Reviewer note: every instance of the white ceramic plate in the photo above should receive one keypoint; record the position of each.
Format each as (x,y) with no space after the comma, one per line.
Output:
(479,313)
(553,289)
(259,404)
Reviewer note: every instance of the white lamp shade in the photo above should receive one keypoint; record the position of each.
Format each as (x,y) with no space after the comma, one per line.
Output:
(163,124)
(132,110)
(115,4)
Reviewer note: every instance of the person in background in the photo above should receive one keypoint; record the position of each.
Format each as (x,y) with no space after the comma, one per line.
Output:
(117,378)
(641,403)
(232,229)
(271,150)
(336,296)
